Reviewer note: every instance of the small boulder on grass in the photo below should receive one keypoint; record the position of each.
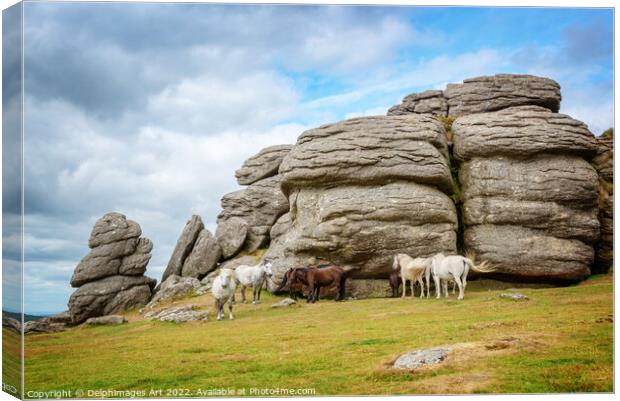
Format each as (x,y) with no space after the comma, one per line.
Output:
(109,320)
(514,296)
(284,303)
(178,314)
(420,357)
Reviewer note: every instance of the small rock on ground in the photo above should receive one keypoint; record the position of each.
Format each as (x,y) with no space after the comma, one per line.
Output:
(106,320)
(178,314)
(284,303)
(514,297)
(417,358)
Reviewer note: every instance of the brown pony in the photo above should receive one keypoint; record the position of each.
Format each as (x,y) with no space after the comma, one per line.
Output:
(294,287)
(317,277)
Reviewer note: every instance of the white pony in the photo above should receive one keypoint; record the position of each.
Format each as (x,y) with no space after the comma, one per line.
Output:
(413,270)
(254,276)
(223,290)
(455,267)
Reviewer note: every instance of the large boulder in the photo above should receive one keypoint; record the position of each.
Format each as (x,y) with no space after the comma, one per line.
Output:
(263,165)
(135,264)
(174,287)
(260,205)
(362,190)
(103,261)
(113,227)
(203,257)
(231,234)
(370,151)
(492,93)
(529,195)
(109,295)
(184,247)
(110,277)
(521,132)
(428,102)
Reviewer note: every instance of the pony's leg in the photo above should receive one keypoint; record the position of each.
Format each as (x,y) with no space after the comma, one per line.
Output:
(437,287)
(243,294)
(445,288)
(404,284)
(461,289)
(230,306)
(453,287)
(217,308)
(411,284)
(421,281)
(310,290)
(257,289)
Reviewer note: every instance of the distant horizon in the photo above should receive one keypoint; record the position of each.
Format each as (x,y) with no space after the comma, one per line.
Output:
(149,108)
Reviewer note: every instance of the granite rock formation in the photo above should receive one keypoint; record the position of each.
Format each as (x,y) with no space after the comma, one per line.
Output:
(196,253)
(529,194)
(110,278)
(492,93)
(361,190)
(430,102)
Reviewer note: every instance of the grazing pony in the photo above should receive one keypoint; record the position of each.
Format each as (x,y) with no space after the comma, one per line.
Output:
(315,278)
(223,290)
(254,276)
(455,267)
(411,269)
(294,286)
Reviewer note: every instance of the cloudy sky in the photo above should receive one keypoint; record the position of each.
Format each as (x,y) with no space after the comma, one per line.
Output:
(148,109)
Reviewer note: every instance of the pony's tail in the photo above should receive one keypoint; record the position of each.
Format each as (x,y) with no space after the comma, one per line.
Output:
(282,284)
(395,263)
(341,286)
(483,267)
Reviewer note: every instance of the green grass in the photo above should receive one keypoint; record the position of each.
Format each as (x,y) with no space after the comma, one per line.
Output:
(551,343)
(11,357)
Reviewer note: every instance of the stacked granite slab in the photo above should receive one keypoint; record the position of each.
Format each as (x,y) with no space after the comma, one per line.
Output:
(110,278)
(362,190)
(604,164)
(529,193)
(248,214)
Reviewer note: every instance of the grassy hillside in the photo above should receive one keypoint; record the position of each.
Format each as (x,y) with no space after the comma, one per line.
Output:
(560,340)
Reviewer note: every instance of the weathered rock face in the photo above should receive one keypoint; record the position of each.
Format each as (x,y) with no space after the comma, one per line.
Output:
(184,247)
(263,165)
(113,227)
(174,287)
(362,190)
(204,256)
(370,150)
(491,93)
(231,234)
(428,102)
(521,132)
(604,164)
(259,205)
(110,278)
(109,295)
(529,196)
(196,253)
